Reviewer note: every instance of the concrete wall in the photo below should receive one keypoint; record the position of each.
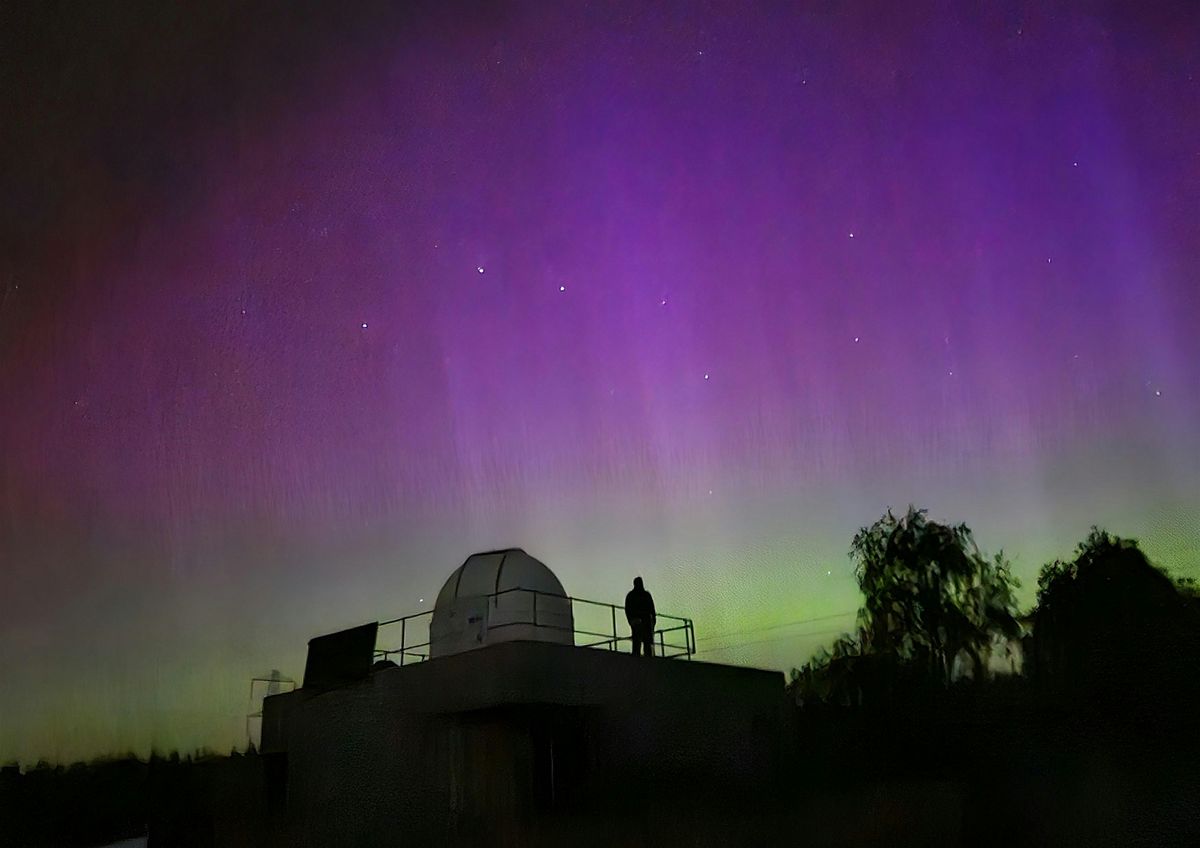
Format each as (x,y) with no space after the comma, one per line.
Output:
(486,743)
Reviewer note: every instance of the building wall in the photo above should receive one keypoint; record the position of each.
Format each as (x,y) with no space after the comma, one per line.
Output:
(492,741)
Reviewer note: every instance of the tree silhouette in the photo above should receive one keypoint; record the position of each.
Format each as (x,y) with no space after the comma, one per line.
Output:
(832,676)
(1113,630)
(930,597)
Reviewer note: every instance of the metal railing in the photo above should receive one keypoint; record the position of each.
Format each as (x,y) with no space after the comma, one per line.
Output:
(416,626)
(251,713)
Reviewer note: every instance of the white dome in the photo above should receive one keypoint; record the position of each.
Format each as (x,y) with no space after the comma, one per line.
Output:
(500,596)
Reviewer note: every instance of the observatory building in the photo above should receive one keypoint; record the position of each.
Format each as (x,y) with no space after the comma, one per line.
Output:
(510,714)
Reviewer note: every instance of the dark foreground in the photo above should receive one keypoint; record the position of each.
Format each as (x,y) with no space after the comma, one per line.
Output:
(982,766)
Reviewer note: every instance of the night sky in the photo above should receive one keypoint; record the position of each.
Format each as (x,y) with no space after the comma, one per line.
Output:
(301,306)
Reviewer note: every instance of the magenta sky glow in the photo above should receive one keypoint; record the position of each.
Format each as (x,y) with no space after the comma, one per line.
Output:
(298,312)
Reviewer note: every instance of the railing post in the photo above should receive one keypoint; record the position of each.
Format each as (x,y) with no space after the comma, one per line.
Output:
(614,618)
(662,648)
(535,594)
(403,628)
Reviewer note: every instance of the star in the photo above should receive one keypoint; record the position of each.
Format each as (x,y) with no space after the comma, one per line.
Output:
(706,376)
(662,302)
(364,326)
(562,288)
(852,235)
(479,268)
(856,339)
(1157,393)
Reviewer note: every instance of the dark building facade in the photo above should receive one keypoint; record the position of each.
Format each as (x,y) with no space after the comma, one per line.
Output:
(518,743)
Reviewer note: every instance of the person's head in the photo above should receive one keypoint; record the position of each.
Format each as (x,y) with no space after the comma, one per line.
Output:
(637,582)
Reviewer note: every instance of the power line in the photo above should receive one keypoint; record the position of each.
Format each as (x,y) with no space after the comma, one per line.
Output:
(737,645)
(747,631)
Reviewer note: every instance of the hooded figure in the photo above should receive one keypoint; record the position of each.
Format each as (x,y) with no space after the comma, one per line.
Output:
(639,611)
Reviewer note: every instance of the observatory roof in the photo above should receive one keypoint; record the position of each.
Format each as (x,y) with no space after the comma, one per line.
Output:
(495,571)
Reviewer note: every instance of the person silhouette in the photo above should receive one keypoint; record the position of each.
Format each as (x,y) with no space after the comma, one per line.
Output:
(639,612)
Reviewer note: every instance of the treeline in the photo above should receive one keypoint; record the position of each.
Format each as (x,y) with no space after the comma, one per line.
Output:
(111,799)
(1109,632)
(1068,723)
